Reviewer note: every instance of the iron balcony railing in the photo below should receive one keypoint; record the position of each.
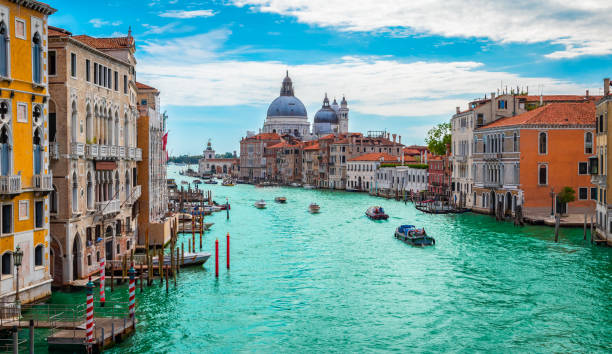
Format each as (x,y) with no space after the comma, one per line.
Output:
(10,184)
(138,154)
(136,193)
(42,182)
(54,150)
(92,151)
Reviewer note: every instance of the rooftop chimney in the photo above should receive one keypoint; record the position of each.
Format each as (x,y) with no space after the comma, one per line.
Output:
(394,136)
(606,86)
(400,140)
(587,93)
(458,110)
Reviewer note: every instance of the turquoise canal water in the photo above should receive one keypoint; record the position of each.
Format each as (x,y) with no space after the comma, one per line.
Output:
(339,282)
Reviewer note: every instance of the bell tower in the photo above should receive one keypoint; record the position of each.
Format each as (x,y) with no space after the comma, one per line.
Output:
(343,116)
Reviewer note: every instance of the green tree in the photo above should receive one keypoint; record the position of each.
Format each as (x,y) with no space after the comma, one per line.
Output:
(567,195)
(438,137)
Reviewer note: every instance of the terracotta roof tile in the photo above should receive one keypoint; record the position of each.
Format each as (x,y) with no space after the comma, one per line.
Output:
(144,86)
(312,147)
(562,114)
(559,98)
(58,32)
(106,43)
(375,156)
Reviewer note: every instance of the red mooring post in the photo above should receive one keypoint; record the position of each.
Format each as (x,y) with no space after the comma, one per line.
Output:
(228,252)
(217,258)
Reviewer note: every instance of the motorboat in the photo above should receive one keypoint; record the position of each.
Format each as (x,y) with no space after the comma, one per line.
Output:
(189,259)
(417,237)
(309,186)
(314,208)
(197,181)
(376,213)
(294,184)
(210,181)
(260,204)
(227,183)
(184,182)
(281,200)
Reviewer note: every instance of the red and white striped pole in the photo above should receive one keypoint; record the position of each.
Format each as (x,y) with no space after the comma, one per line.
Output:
(102,277)
(89,316)
(132,290)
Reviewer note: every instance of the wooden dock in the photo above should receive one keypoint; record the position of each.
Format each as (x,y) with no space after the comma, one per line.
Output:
(107,332)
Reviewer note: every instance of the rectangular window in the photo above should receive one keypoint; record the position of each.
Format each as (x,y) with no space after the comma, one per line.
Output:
(20,28)
(22,112)
(52,63)
(583,168)
(583,193)
(24,209)
(7,218)
(125,84)
(73,63)
(594,193)
(110,76)
(87,70)
(96,73)
(116,81)
(38,256)
(543,175)
(39,213)
(104,76)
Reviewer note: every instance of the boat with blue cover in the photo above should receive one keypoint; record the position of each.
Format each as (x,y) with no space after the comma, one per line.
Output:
(417,237)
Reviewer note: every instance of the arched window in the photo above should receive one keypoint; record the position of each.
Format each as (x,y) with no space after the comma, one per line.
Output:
(38,256)
(54,200)
(5,151)
(116,130)
(73,123)
(543,175)
(37,52)
(126,131)
(7,263)
(90,195)
(38,152)
(542,143)
(4,52)
(75,193)
(588,143)
(89,131)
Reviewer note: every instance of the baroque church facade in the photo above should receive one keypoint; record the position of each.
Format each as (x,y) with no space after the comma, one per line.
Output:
(288,115)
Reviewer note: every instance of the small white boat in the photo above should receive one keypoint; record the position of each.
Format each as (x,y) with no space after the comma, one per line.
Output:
(314,208)
(260,204)
(308,186)
(191,258)
(294,184)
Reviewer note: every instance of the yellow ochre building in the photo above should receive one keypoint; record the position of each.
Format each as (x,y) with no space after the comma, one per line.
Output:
(25,179)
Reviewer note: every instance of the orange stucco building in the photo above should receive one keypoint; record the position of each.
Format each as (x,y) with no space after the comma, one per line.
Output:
(528,159)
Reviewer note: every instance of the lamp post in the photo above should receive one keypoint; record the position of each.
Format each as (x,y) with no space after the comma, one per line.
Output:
(552,201)
(18,256)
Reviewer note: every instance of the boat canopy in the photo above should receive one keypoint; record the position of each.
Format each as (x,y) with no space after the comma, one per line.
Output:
(405,228)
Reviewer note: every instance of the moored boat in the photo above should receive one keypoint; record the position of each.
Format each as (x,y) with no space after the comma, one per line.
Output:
(417,237)
(227,183)
(376,213)
(190,259)
(210,181)
(260,204)
(308,186)
(314,208)
(197,181)
(280,199)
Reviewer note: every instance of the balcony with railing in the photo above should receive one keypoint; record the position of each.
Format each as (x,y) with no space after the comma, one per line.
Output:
(104,151)
(122,152)
(54,150)
(138,154)
(108,207)
(131,153)
(77,150)
(135,194)
(491,184)
(92,151)
(491,156)
(42,182)
(113,152)
(10,184)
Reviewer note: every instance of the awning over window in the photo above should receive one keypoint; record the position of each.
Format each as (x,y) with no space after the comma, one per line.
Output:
(106,165)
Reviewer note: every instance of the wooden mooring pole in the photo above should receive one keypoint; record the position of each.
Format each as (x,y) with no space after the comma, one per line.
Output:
(591,229)
(557,222)
(140,277)
(584,228)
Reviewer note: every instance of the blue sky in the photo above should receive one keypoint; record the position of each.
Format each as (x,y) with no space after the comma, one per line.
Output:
(403,67)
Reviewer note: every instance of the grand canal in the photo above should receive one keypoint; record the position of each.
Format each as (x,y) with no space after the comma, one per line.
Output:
(339,282)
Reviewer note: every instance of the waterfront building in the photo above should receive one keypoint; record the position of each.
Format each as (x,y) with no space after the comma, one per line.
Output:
(529,158)
(331,119)
(288,160)
(395,180)
(25,178)
(361,170)
(253,165)
(338,151)
(151,192)
(310,163)
(439,182)
(211,164)
(599,166)
(287,114)
(92,129)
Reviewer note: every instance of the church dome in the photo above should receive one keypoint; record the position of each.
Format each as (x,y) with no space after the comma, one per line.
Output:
(287,105)
(326,114)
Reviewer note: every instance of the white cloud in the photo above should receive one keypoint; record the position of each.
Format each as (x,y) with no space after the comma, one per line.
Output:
(580,27)
(187,13)
(192,72)
(97,23)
